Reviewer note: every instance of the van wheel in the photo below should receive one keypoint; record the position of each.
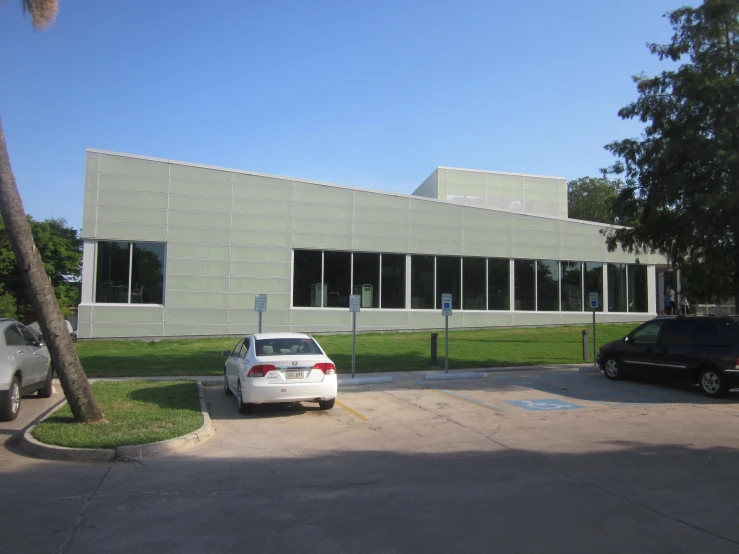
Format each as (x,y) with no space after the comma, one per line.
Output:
(10,401)
(713,383)
(612,369)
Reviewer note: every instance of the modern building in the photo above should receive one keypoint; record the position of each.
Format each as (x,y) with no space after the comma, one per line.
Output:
(179,249)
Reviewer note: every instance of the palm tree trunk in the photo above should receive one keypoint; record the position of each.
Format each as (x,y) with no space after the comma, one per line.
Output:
(41,294)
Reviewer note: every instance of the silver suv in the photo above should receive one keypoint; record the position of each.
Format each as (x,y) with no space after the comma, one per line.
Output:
(25,367)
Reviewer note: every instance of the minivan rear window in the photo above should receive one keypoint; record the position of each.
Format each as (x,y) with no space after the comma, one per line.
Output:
(286,346)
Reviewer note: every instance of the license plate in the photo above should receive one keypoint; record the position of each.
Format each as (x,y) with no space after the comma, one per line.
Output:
(295,375)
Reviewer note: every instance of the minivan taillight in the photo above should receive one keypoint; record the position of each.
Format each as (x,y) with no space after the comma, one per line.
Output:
(736,364)
(260,370)
(327,368)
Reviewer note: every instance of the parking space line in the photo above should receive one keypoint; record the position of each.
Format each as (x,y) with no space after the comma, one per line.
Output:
(352,411)
(459,397)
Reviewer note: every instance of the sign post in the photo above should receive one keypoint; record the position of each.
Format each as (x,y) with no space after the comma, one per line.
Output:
(594,303)
(355,301)
(260,305)
(446,311)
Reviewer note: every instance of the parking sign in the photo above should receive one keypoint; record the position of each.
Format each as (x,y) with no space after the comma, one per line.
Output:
(446,304)
(260,302)
(593,300)
(355,302)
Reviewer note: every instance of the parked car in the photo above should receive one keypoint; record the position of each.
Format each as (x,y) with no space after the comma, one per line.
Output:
(685,349)
(25,367)
(279,367)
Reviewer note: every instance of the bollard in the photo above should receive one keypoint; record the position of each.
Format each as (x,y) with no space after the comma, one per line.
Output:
(585,344)
(434,342)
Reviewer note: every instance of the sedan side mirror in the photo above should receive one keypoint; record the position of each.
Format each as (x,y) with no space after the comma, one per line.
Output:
(226,353)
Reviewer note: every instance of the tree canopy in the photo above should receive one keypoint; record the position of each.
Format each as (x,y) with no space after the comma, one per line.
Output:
(681,177)
(61,250)
(591,199)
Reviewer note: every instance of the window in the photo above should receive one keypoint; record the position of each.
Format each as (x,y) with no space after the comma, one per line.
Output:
(130,272)
(422,282)
(718,332)
(393,281)
(13,336)
(594,282)
(367,279)
(499,278)
(113,263)
(637,288)
(448,279)
(28,337)
(237,348)
(244,349)
(647,334)
(147,273)
(547,286)
(616,287)
(291,346)
(473,283)
(523,284)
(336,275)
(571,280)
(677,333)
(307,289)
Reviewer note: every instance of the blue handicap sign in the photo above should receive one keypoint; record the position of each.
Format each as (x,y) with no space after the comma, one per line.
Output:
(544,404)
(447,306)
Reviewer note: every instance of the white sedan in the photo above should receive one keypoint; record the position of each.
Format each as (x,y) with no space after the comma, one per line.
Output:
(279,367)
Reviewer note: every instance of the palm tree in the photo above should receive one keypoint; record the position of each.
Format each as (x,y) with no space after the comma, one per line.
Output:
(38,285)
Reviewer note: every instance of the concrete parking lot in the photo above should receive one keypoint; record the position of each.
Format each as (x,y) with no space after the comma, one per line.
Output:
(554,461)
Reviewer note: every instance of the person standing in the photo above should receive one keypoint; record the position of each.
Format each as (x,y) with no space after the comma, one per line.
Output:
(666,302)
(673,305)
(684,304)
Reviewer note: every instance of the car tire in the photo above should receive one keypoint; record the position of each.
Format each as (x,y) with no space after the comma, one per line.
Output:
(10,401)
(47,389)
(226,388)
(327,404)
(244,408)
(713,383)
(612,369)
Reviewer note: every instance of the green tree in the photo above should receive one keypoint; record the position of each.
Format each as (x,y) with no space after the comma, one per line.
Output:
(37,283)
(61,251)
(8,307)
(681,177)
(591,199)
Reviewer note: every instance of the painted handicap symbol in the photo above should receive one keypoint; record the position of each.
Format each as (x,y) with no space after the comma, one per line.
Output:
(544,404)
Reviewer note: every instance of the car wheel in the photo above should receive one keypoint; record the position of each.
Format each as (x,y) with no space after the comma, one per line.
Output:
(47,389)
(713,383)
(226,388)
(10,401)
(612,369)
(244,408)
(327,404)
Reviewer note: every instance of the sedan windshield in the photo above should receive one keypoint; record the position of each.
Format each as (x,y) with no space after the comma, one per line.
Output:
(280,347)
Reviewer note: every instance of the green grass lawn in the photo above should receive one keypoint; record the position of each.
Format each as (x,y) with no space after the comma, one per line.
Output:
(136,412)
(375,351)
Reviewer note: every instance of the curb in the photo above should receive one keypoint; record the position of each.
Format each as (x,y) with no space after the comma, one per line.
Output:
(344,381)
(452,376)
(134,451)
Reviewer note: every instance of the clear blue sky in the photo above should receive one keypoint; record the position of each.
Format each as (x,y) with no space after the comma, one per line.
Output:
(373,94)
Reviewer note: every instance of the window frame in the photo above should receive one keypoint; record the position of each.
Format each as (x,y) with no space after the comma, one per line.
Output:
(130,274)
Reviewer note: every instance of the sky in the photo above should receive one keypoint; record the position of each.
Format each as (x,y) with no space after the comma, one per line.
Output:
(372,94)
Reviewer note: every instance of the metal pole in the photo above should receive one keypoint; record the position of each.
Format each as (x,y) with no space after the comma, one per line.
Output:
(446,345)
(354,340)
(594,341)
(260,322)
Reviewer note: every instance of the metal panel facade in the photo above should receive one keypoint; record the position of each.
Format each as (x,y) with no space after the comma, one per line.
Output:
(231,235)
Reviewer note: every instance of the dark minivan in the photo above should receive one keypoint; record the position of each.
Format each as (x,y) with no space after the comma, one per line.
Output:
(684,349)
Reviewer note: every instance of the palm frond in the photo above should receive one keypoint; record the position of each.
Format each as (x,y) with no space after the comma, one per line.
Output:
(43,12)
